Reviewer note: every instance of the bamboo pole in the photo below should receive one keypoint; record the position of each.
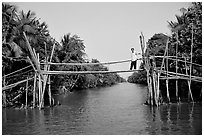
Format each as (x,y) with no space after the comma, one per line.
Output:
(35,54)
(16,97)
(32,64)
(114,62)
(166,49)
(34,85)
(146,66)
(84,64)
(163,62)
(182,75)
(195,64)
(151,92)
(14,84)
(158,87)
(4,92)
(16,71)
(40,91)
(34,88)
(177,67)
(159,97)
(26,105)
(147,62)
(189,85)
(44,85)
(154,83)
(86,72)
(191,59)
(47,68)
(39,82)
(170,57)
(167,80)
(36,62)
(37,91)
(49,91)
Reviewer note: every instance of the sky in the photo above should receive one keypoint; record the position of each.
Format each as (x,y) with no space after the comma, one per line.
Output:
(108,29)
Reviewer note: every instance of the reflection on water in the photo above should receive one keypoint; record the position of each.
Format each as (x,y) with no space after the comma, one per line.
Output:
(175,119)
(113,110)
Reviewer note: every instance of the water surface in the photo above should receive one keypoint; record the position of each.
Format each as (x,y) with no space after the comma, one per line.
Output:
(114,110)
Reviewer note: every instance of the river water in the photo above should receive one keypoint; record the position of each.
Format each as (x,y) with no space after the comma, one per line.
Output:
(114,110)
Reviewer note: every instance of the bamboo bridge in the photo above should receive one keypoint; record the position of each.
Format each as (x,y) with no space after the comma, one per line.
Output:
(154,74)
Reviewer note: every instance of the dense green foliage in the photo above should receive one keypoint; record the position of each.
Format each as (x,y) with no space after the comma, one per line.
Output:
(71,50)
(190,22)
(139,77)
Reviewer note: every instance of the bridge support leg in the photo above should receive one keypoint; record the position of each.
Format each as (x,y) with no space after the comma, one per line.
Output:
(4,93)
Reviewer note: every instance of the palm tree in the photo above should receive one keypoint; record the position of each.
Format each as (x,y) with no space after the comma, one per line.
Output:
(13,42)
(12,27)
(182,21)
(73,49)
(8,20)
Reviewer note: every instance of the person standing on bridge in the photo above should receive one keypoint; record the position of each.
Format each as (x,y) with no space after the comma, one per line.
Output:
(133,59)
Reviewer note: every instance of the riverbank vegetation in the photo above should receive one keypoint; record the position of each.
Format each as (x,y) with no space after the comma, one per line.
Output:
(70,49)
(186,30)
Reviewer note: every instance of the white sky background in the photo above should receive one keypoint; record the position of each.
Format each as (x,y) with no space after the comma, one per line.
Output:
(109,30)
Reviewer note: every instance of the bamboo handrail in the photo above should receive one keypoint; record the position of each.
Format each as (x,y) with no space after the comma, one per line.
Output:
(179,77)
(83,64)
(15,75)
(16,71)
(15,84)
(15,58)
(183,61)
(170,57)
(182,75)
(87,72)
(114,62)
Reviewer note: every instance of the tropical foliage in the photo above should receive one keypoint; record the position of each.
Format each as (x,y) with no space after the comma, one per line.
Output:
(71,49)
(186,30)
